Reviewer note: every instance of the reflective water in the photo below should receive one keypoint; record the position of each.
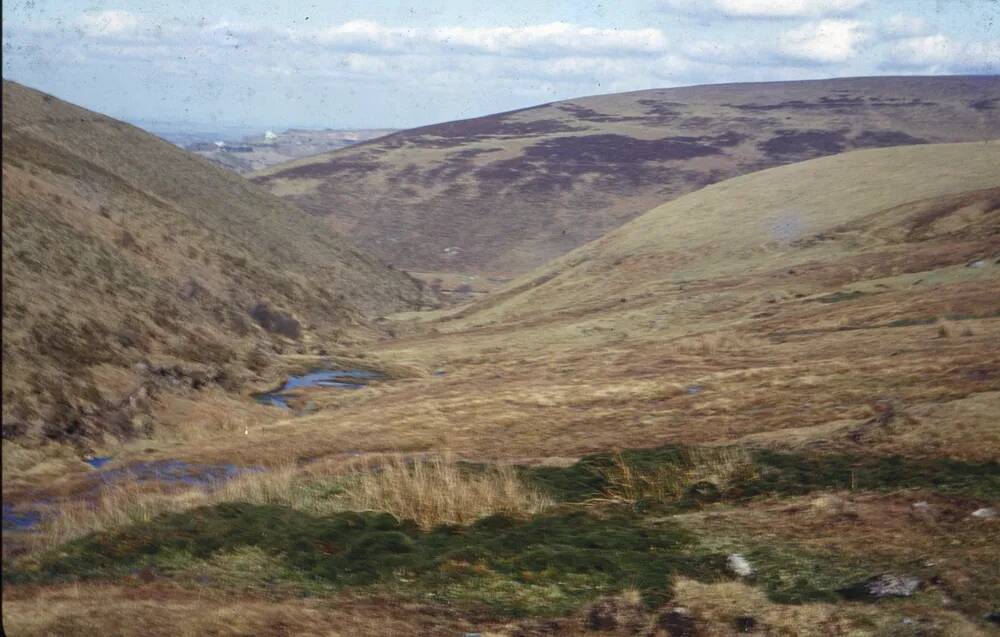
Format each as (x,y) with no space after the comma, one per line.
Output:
(342,378)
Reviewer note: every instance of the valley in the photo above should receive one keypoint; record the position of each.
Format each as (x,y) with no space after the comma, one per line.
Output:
(757,394)
(256,152)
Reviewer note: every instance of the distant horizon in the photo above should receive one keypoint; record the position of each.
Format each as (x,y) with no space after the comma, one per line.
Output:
(156,125)
(374,64)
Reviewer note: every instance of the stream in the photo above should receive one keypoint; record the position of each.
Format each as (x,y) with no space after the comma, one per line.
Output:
(341,378)
(25,517)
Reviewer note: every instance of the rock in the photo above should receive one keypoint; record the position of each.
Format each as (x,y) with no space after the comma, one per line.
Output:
(677,622)
(14,429)
(885,585)
(993,617)
(745,624)
(438,372)
(739,565)
(695,389)
(985,512)
(921,506)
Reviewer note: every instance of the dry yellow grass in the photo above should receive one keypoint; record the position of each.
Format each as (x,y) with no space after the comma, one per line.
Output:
(430,491)
(438,491)
(162,609)
(128,502)
(717,342)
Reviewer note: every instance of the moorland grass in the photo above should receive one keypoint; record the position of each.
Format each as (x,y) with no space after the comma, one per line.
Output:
(546,565)
(430,491)
(778,473)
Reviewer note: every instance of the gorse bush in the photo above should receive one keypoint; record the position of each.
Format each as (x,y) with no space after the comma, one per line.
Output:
(439,491)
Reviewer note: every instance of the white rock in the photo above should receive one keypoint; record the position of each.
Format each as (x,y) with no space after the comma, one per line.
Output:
(893,586)
(985,512)
(922,505)
(739,565)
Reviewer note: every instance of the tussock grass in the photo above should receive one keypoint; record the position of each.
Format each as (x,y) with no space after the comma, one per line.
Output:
(129,502)
(428,491)
(697,468)
(947,328)
(438,491)
(717,343)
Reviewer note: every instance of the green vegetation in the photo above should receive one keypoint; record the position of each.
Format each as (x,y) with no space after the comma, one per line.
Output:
(781,473)
(546,565)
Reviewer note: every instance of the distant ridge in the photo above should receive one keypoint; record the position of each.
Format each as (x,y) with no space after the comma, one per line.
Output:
(507,192)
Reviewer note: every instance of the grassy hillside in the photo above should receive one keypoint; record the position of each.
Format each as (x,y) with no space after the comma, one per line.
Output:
(504,193)
(129,264)
(794,232)
(777,368)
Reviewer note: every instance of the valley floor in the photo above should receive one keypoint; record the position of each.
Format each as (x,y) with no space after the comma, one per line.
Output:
(815,381)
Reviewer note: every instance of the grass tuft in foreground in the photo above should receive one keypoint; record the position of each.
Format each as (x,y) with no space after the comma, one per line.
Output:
(697,472)
(439,491)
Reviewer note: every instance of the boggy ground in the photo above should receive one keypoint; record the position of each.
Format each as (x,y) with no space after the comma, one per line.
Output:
(856,370)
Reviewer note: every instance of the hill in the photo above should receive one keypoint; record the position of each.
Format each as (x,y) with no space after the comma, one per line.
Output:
(835,224)
(500,194)
(129,264)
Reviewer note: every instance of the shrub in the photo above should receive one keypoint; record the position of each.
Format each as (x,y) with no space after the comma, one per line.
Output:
(275,321)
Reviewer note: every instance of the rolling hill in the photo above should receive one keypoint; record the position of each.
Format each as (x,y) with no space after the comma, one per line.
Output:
(129,264)
(500,194)
(864,224)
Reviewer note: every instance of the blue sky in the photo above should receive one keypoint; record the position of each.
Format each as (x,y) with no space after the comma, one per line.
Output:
(348,64)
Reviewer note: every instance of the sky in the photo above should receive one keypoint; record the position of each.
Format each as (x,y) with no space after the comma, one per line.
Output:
(373,63)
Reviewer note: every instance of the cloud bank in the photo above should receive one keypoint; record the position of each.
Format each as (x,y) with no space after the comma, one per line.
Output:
(401,75)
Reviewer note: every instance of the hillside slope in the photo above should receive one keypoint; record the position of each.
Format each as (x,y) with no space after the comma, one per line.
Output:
(784,233)
(507,192)
(128,260)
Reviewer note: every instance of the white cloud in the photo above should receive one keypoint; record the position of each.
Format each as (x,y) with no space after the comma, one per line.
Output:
(111,23)
(903,26)
(939,53)
(557,38)
(823,42)
(767,8)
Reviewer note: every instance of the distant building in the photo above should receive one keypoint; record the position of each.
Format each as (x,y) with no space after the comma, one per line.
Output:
(270,135)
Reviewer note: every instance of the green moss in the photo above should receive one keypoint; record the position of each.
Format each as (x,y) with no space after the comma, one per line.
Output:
(565,558)
(794,575)
(783,473)
(792,474)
